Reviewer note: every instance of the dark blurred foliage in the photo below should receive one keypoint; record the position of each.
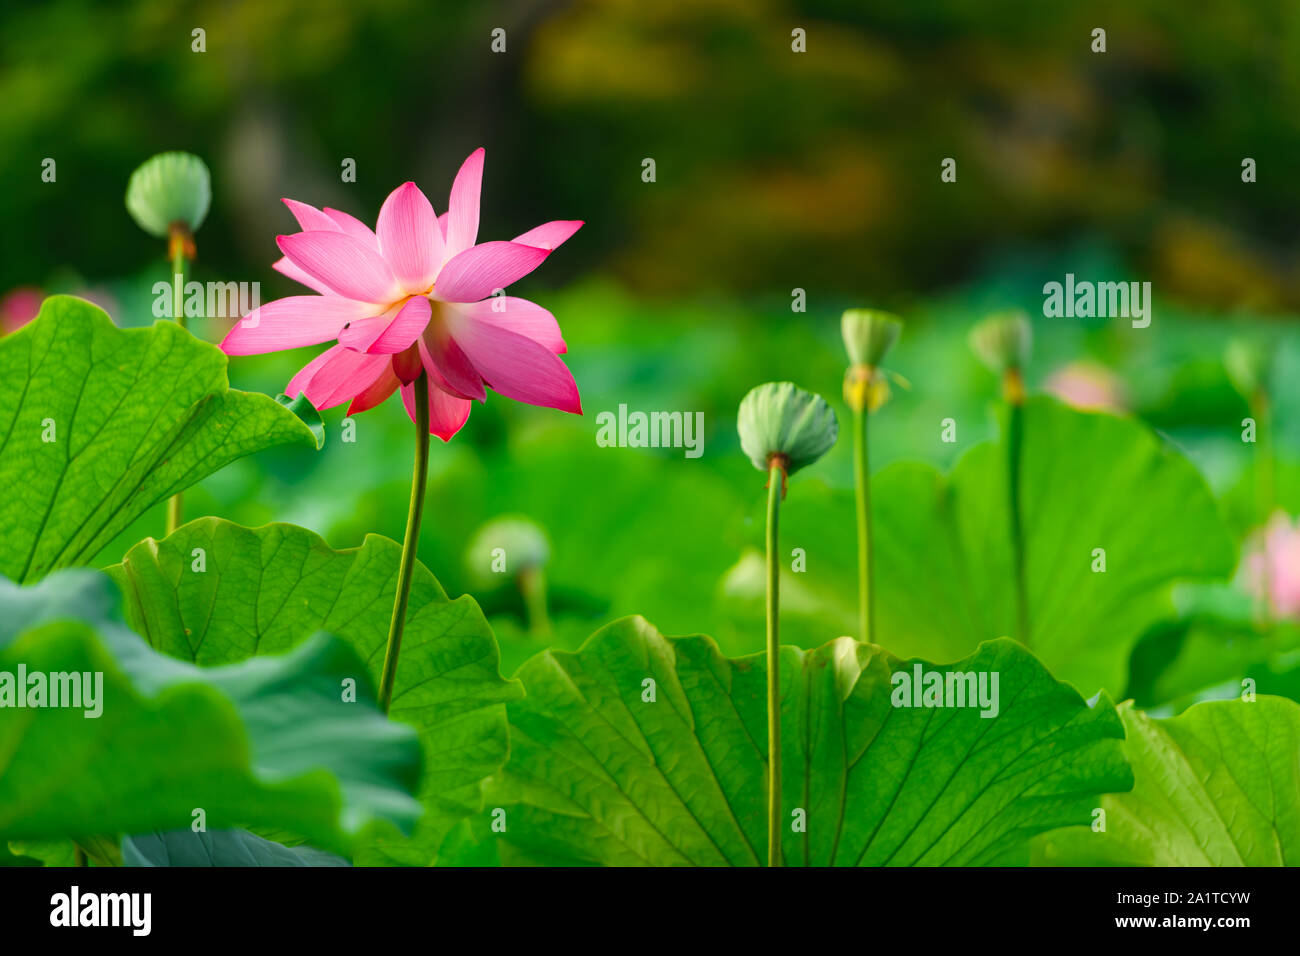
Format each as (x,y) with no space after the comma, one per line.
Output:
(775,169)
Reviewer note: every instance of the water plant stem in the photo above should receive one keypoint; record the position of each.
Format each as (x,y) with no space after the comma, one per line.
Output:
(1015,454)
(532,587)
(862,491)
(775,491)
(176,247)
(410,542)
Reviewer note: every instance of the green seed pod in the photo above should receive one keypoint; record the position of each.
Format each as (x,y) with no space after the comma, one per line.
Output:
(869,334)
(779,418)
(1249,366)
(1003,341)
(168,188)
(504,548)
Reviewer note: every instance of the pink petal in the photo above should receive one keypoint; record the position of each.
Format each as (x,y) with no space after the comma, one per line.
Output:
(342,263)
(473,274)
(519,316)
(550,235)
(309,217)
(359,335)
(449,366)
(292,322)
(409,237)
(354,227)
(376,393)
(447,413)
(304,375)
(516,366)
(442,224)
(344,375)
(287,268)
(391,334)
(463,206)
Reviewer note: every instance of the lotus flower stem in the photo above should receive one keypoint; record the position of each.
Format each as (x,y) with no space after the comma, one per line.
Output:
(177,243)
(862,492)
(868,334)
(775,490)
(1014,392)
(782,428)
(532,586)
(410,542)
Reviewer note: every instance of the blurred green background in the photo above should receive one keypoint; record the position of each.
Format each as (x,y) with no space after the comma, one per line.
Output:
(775,171)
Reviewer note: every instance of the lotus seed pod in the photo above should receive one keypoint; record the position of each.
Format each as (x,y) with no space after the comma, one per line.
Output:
(168,188)
(779,418)
(1003,341)
(505,547)
(869,334)
(1248,365)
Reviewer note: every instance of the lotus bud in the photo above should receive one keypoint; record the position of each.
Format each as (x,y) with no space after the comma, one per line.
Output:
(168,197)
(781,424)
(505,548)
(1003,342)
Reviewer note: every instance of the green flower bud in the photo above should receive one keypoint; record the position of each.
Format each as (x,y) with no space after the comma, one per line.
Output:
(869,334)
(168,188)
(1249,365)
(504,548)
(1003,341)
(781,419)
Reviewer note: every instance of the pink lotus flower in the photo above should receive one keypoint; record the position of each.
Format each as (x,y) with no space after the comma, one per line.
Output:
(1088,386)
(18,307)
(416,294)
(1273,565)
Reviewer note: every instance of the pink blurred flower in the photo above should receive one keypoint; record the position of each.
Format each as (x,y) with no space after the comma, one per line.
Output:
(1272,568)
(18,307)
(1089,386)
(415,294)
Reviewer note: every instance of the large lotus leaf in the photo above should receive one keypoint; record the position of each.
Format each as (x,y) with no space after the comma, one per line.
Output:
(1092,483)
(1218,785)
(219,848)
(97,424)
(609,768)
(215,592)
(274,742)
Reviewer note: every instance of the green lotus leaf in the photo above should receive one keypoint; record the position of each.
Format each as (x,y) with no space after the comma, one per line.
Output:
(219,848)
(98,424)
(1218,785)
(215,593)
(272,742)
(640,749)
(1097,491)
